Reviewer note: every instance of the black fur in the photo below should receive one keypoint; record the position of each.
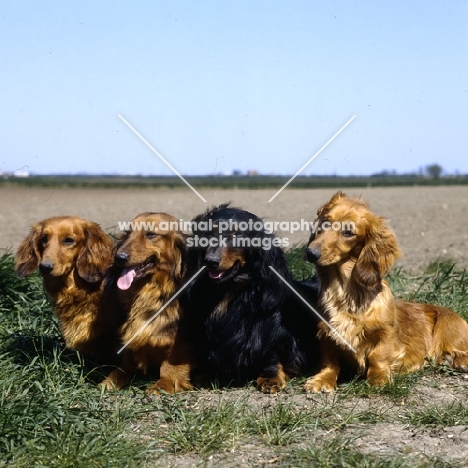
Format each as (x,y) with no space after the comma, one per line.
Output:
(263,323)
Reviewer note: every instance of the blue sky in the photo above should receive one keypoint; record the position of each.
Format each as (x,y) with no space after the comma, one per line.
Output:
(219,85)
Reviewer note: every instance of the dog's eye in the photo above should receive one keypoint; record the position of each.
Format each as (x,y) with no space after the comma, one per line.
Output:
(348,233)
(43,240)
(150,235)
(68,241)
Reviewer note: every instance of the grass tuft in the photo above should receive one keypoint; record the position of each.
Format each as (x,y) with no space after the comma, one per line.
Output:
(300,269)
(280,424)
(399,388)
(451,414)
(341,453)
(204,430)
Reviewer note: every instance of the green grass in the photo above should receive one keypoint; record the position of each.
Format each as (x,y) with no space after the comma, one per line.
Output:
(300,269)
(52,414)
(400,387)
(340,453)
(442,283)
(450,414)
(205,430)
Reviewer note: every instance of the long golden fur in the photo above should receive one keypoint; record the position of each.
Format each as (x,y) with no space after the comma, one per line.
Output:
(388,337)
(72,255)
(148,270)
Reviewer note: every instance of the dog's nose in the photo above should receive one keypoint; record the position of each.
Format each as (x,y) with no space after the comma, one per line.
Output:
(46,267)
(212,261)
(121,257)
(313,254)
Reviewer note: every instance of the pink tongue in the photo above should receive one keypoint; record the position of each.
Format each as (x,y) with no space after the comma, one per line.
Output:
(126,278)
(215,274)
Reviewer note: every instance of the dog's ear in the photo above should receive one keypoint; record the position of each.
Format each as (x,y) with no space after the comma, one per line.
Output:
(28,256)
(96,255)
(272,287)
(378,255)
(179,251)
(321,210)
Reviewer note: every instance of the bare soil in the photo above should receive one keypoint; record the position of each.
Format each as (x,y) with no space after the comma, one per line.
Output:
(430,222)
(391,437)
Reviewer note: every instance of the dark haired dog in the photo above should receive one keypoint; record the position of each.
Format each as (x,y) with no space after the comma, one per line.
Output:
(148,270)
(388,337)
(72,255)
(247,315)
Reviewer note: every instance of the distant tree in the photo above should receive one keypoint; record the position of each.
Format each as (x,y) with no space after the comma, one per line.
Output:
(434,170)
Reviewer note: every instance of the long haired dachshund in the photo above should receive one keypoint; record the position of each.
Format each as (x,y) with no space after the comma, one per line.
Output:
(353,250)
(148,270)
(242,308)
(72,255)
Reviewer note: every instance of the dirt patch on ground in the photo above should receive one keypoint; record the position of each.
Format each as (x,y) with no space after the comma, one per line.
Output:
(375,425)
(430,222)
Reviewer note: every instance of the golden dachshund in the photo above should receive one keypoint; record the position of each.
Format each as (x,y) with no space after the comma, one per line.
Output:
(72,255)
(353,250)
(148,270)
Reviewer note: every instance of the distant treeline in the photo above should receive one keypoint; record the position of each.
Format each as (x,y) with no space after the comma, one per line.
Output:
(228,182)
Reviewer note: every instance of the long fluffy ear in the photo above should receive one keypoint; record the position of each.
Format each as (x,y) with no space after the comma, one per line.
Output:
(96,255)
(378,255)
(272,287)
(27,256)
(179,251)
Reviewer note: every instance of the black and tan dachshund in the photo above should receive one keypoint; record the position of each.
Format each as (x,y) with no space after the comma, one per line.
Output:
(251,325)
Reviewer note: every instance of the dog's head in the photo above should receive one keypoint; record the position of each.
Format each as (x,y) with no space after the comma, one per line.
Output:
(153,248)
(348,235)
(232,244)
(59,245)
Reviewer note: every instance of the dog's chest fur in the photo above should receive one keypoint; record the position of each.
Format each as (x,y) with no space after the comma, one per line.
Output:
(358,320)
(239,337)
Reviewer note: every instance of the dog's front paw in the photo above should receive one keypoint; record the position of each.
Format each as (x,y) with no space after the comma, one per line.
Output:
(319,384)
(116,380)
(379,377)
(271,384)
(379,380)
(161,386)
(165,385)
(108,385)
(460,362)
